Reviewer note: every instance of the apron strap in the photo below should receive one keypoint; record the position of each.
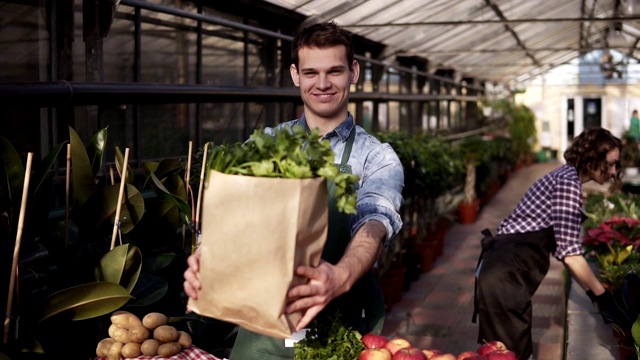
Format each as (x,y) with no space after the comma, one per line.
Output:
(347,148)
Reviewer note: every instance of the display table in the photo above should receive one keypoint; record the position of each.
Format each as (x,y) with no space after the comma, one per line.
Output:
(192,353)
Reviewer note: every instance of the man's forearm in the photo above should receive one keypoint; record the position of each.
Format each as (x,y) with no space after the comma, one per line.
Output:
(363,251)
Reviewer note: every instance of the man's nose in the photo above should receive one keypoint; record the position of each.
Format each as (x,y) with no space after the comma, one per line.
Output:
(323,82)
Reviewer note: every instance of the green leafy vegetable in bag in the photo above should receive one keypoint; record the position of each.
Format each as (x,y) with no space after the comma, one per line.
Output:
(295,154)
(329,340)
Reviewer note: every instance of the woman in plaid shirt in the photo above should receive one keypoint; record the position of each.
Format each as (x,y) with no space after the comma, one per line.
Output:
(546,221)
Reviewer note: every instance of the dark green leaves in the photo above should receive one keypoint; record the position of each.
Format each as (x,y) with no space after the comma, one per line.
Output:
(332,340)
(293,153)
(85,301)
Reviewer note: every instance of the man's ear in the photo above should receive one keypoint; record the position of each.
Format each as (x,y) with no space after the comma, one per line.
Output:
(355,72)
(295,75)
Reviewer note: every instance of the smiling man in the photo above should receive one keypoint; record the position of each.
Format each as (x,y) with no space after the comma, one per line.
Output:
(324,68)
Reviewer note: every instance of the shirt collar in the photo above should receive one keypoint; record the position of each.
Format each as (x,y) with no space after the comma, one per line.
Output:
(342,131)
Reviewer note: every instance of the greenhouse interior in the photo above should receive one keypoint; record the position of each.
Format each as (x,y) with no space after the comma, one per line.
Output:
(452,118)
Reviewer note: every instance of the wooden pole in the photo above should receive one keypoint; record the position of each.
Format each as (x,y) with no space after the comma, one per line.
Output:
(123,183)
(187,176)
(68,192)
(196,226)
(16,249)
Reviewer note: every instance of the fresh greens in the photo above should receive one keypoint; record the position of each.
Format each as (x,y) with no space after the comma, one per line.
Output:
(329,340)
(296,154)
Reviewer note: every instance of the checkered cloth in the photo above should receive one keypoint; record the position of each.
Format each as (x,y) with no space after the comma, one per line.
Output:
(192,353)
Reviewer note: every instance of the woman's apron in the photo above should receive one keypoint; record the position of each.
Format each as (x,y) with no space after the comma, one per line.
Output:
(510,270)
(362,308)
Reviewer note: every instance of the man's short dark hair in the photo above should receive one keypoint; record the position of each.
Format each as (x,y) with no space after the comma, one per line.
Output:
(322,35)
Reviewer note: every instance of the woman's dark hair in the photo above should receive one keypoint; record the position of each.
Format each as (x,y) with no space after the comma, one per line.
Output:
(322,35)
(588,152)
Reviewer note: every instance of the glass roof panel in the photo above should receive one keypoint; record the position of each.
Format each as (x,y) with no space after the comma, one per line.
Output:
(501,40)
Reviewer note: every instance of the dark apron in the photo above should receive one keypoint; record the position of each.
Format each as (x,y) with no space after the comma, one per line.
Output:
(512,266)
(362,308)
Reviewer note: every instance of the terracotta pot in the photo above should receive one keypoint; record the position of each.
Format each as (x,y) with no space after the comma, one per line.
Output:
(438,235)
(427,250)
(392,282)
(468,212)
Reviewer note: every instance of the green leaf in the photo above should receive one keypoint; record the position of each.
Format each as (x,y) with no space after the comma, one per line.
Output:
(148,290)
(85,301)
(95,150)
(102,207)
(46,165)
(635,331)
(13,170)
(4,357)
(84,184)
(121,265)
(158,262)
(170,199)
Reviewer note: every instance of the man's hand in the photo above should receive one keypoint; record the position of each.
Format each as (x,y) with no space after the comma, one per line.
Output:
(326,282)
(191,281)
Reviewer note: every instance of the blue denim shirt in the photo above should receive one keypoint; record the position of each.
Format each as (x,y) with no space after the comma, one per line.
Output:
(379,190)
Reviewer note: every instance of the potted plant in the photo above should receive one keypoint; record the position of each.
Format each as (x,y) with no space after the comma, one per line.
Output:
(472,150)
(522,130)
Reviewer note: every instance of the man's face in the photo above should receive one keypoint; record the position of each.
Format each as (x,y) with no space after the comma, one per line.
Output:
(324,77)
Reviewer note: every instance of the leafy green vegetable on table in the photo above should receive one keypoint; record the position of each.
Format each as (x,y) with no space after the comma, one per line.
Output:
(296,154)
(330,340)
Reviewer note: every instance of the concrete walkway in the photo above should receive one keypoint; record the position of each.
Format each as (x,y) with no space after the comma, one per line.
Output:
(435,313)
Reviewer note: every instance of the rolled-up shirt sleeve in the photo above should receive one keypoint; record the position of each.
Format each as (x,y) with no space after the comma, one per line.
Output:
(566,203)
(380,191)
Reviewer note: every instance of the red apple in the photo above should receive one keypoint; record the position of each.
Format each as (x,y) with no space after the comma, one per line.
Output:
(490,346)
(431,352)
(476,357)
(396,344)
(372,341)
(375,354)
(443,356)
(409,353)
(469,355)
(502,355)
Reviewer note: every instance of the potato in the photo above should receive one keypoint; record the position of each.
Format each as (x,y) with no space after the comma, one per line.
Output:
(150,347)
(131,350)
(112,329)
(121,335)
(139,333)
(115,351)
(165,333)
(102,350)
(169,349)
(153,320)
(125,319)
(184,339)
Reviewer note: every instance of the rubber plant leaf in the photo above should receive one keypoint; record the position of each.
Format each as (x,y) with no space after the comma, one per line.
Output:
(173,199)
(121,265)
(85,301)
(95,150)
(154,263)
(635,331)
(45,166)
(120,163)
(148,290)
(84,184)
(162,169)
(13,170)
(101,207)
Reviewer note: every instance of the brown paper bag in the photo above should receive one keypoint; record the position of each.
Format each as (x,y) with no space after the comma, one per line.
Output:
(255,231)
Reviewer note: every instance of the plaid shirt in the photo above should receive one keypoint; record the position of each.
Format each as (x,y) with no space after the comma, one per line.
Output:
(554,200)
